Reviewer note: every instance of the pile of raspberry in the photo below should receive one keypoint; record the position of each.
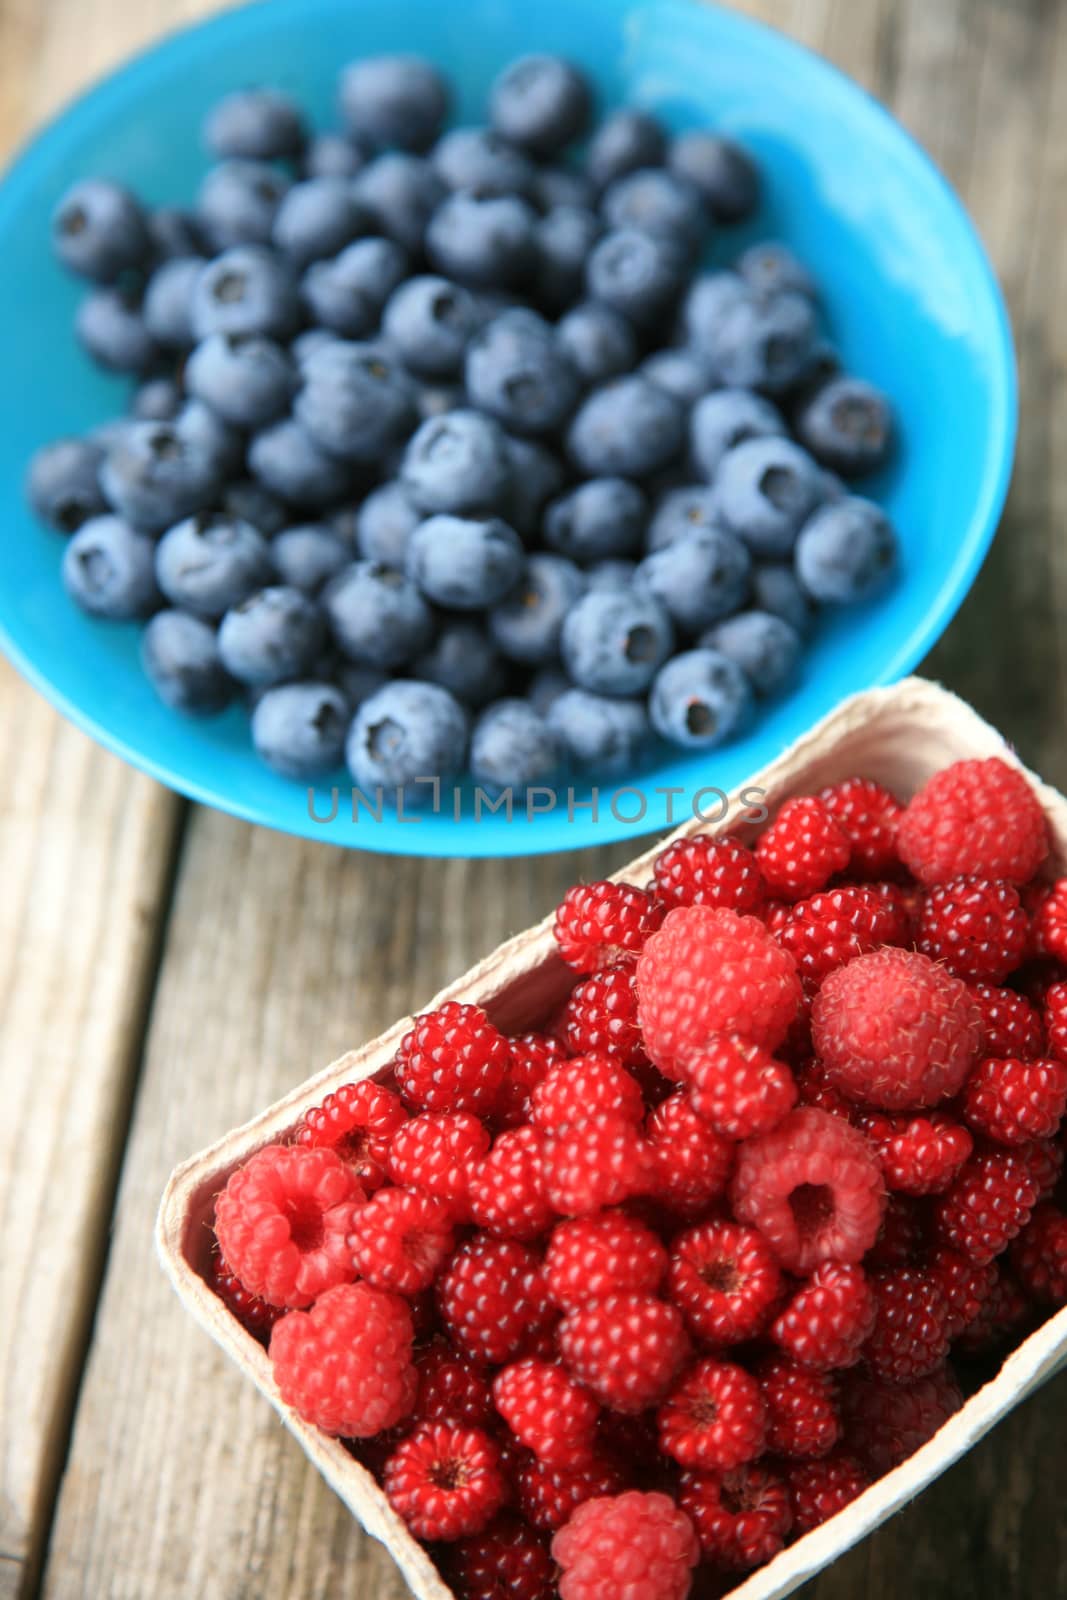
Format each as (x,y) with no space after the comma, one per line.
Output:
(625,1305)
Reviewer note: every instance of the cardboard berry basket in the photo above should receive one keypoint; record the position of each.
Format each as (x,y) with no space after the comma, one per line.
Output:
(899,736)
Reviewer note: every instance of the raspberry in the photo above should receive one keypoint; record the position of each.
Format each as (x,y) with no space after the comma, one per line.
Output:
(1055,1022)
(1000,1320)
(802,1420)
(703,871)
(507,1190)
(818,1490)
(833,927)
(610,1253)
(802,849)
(965,1286)
(588,1086)
(919,1155)
(506,1561)
(709,971)
(887,1422)
(714,1419)
(345,1365)
(741,1517)
(452,1060)
(437,1152)
(600,1017)
(1050,922)
(635,1545)
(399,1239)
(977,928)
(356,1122)
(445,1481)
(282,1222)
(626,1348)
(529,1058)
(867,815)
(1010,1024)
(828,1319)
(548,1496)
(910,1335)
(901,1239)
(547,1411)
(251,1312)
(491,1296)
(1043,1160)
(725,1281)
(1015,1101)
(977,817)
(738,1088)
(813,1188)
(988,1204)
(813,1089)
(588,1165)
(894,1030)
(691,1164)
(599,923)
(1039,1256)
(451,1389)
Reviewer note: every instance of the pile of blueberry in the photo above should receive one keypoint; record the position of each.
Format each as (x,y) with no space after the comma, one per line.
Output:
(446,452)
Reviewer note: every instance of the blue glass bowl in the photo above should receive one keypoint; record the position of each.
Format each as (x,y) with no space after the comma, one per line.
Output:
(910,300)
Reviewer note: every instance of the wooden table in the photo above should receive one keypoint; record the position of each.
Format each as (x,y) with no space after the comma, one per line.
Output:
(167,971)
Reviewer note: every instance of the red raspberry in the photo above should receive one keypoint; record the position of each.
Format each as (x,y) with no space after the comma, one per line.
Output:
(445,1481)
(703,871)
(977,817)
(910,1335)
(1015,1101)
(626,1348)
(714,1419)
(529,1058)
(506,1561)
(708,971)
(1050,922)
(919,1155)
(802,1420)
(887,1422)
(813,1089)
(632,1544)
(345,1365)
(451,1389)
(802,849)
(548,1496)
(1055,1022)
(547,1411)
(833,927)
(251,1312)
(901,1239)
(452,1060)
(399,1239)
(356,1122)
(724,1280)
(1039,1256)
(588,1086)
(828,1319)
(894,1030)
(741,1517)
(964,1284)
(1010,1024)
(818,1490)
(610,1253)
(975,927)
(813,1188)
(599,923)
(1043,1160)
(588,1165)
(282,1223)
(437,1152)
(507,1191)
(600,1017)
(1000,1320)
(867,815)
(491,1297)
(739,1088)
(988,1204)
(691,1164)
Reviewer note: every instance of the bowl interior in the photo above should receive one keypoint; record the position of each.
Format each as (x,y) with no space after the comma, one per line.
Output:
(908,297)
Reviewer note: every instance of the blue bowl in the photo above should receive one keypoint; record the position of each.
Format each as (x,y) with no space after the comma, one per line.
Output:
(910,300)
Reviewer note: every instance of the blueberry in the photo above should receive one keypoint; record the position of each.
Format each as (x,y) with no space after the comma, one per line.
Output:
(628,428)
(700,699)
(565,236)
(540,103)
(536,476)
(724,419)
(308,556)
(600,342)
(458,463)
(174,232)
(299,729)
(660,203)
(99,230)
(238,201)
(692,508)
(435,399)
(614,643)
(316,219)
(846,552)
(429,321)
(526,626)
(180,656)
(464,564)
(639,274)
(405,734)
(682,372)
(273,635)
(208,564)
(62,483)
(331,155)
(771,269)
(625,142)
(846,426)
(764,646)
(111,326)
(517,372)
(204,432)
(246,379)
(348,293)
(709,299)
(158,400)
(356,401)
(377,615)
(611,574)
(489,244)
(248,501)
(168,301)
(384,525)
(463,660)
(396,101)
(598,732)
(400,194)
(288,463)
(602,517)
(775,589)
(763,343)
(512,748)
(357,683)
(724,174)
(562,186)
(255,124)
(306,343)
(154,476)
(545,687)
(699,578)
(245,290)
(480,160)
(766,489)
(109,570)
